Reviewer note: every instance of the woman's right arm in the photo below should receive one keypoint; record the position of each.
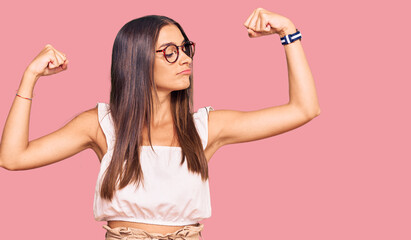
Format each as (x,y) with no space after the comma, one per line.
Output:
(16,152)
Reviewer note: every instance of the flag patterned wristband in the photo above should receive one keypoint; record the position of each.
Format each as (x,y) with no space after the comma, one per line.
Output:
(287,39)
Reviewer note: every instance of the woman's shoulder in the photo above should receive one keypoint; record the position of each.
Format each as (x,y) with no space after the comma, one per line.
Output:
(203,111)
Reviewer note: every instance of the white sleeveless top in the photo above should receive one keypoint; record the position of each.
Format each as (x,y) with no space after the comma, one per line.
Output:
(171,195)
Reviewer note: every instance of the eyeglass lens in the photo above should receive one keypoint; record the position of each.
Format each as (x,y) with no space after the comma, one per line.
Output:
(171,51)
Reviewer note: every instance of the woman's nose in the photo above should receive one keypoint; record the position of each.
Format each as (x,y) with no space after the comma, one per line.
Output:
(184,58)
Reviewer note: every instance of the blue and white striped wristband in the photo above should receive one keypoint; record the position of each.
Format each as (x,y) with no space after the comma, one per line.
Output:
(287,39)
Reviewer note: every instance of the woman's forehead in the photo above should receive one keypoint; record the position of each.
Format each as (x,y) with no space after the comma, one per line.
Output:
(170,33)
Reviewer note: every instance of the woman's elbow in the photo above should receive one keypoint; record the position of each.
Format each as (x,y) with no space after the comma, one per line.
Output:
(317,112)
(2,165)
(5,165)
(312,113)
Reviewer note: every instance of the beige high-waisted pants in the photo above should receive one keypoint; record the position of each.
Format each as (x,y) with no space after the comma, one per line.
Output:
(128,233)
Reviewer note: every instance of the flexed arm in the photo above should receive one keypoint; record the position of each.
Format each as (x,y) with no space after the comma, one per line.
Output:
(228,126)
(302,91)
(16,152)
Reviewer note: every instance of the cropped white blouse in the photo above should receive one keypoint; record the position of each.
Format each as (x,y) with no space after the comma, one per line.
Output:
(171,195)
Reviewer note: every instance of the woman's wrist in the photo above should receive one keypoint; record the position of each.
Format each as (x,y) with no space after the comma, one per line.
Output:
(30,76)
(288,29)
(27,84)
(28,71)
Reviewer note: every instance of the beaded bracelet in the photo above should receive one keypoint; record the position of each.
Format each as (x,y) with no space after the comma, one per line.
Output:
(23,97)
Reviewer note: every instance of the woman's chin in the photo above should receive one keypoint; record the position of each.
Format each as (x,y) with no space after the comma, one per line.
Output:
(181,84)
(184,84)
(183,87)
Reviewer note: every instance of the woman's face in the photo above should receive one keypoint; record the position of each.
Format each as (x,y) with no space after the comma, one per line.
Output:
(168,76)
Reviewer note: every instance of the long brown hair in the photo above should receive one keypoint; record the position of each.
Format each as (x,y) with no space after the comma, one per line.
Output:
(131,105)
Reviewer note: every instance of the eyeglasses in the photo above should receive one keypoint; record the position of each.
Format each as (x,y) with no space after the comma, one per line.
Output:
(171,51)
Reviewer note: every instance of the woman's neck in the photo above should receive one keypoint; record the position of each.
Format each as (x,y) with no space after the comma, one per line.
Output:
(161,110)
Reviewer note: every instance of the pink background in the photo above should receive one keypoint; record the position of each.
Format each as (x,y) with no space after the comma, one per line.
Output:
(345,175)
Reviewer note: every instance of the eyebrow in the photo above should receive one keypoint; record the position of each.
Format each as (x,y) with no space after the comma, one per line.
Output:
(165,44)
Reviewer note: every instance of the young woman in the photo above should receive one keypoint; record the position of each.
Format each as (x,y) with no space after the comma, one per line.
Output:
(154,151)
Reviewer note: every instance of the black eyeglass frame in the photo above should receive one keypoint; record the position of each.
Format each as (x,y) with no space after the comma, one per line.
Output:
(178,50)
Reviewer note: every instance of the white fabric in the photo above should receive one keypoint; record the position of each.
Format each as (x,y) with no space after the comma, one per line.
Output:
(171,195)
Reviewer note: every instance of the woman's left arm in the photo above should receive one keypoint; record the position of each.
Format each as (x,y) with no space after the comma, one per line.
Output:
(228,126)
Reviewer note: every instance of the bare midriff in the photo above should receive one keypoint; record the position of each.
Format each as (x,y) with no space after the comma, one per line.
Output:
(150,228)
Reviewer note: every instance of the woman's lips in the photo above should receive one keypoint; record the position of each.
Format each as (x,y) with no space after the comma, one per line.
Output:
(188,71)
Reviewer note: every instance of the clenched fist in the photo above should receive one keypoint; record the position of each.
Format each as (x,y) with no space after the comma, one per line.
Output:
(262,22)
(49,61)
